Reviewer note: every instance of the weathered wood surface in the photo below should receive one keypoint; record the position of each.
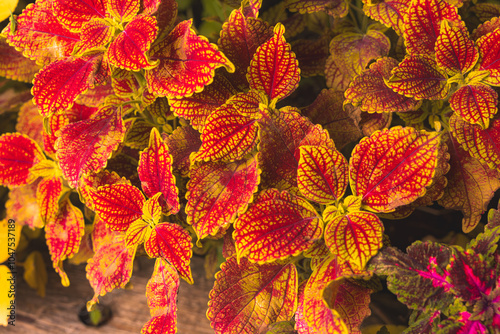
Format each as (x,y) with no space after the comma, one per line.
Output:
(57,313)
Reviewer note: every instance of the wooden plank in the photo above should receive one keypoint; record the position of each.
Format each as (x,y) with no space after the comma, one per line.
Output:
(57,313)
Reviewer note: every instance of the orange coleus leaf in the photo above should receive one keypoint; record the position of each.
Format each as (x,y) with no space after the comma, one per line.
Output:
(393,167)
(351,301)
(161,292)
(276,226)
(123,10)
(30,123)
(13,65)
(227,135)
(274,68)
(471,185)
(455,51)
(239,39)
(248,297)
(475,104)
(18,153)
(322,174)
(335,8)
(187,63)
(391,13)
(316,313)
(489,49)
(423,22)
(47,195)
(327,111)
(419,77)
(217,192)
(73,14)
(57,85)
(371,94)
(85,146)
(355,237)
(110,267)
(94,35)
(40,36)
(172,243)
(181,143)
(197,107)
(63,235)
(22,206)
(118,205)
(155,172)
(482,144)
(354,51)
(128,49)
(281,136)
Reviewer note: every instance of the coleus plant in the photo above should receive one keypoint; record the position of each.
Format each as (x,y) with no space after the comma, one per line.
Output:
(169,139)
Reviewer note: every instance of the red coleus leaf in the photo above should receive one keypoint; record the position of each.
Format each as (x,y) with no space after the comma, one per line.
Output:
(390,12)
(18,153)
(322,174)
(475,104)
(489,50)
(199,106)
(482,144)
(327,111)
(317,315)
(276,226)
(118,205)
(22,207)
(57,85)
(281,136)
(455,51)
(128,49)
(63,235)
(422,24)
(239,39)
(85,146)
(155,172)
(486,27)
(419,77)
(123,10)
(181,143)
(217,192)
(371,94)
(274,68)
(47,195)
(335,8)
(227,135)
(471,186)
(161,292)
(248,297)
(89,184)
(110,267)
(393,167)
(13,65)
(354,237)
(30,123)
(73,14)
(187,63)
(40,36)
(172,243)
(124,84)
(94,35)
(353,51)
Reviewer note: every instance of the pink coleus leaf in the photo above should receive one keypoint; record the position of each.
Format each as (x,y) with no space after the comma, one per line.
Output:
(63,235)
(128,49)
(155,172)
(86,146)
